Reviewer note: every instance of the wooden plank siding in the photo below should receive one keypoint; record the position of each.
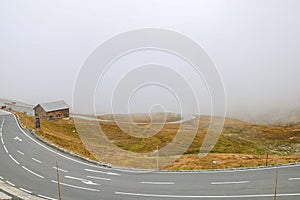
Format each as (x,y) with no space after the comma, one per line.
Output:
(57,114)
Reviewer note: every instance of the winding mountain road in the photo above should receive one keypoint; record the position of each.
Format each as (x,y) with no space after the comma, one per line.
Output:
(29,165)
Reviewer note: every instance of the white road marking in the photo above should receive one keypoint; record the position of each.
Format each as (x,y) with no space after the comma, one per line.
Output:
(220,197)
(1,178)
(36,160)
(17,138)
(294,179)
(5,148)
(14,159)
(32,172)
(102,172)
(226,183)
(159,183)
(10,183)
(25,190)
(20,152)
(99,178)
(113,174)
(87,182)
(59,169)
(77,187)
(2,141)
(46,197)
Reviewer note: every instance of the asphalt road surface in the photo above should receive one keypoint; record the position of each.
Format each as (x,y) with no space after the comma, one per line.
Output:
(29,165)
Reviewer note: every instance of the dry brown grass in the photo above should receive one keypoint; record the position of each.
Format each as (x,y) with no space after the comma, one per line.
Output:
(225,160)
(241,144)
(59,132)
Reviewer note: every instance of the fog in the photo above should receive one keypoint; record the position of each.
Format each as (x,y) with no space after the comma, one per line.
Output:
(254,45)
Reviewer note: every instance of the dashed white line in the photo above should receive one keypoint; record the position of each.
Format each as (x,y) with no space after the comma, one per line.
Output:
(1,178)
(102,172)
(206,197)
(59,169)
(77,187)
(20,152)
(36,160)
(10,183)
(113,174)
(32,172)
(24,190)
(99,178)
(159,183)
(46,197)
(294,179)
(14,159)
(226,183)
(5,148)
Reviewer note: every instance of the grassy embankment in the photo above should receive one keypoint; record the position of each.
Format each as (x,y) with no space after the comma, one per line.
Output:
(241,144)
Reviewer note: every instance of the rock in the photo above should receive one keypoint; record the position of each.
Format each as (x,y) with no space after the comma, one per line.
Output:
(216,162)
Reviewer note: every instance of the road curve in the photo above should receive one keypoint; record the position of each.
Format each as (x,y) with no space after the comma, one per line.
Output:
(29,165)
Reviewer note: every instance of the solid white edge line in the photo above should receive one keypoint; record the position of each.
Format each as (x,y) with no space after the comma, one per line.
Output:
(208,196)
(99,178)
(13,159)
(10,183)
(293,179)
(226,183)
(159,183)
(36,160)
(20,152)
(32,172)
(77,187)
(5,148)
(2,141)
(59,169)
(46,197)
(24,190)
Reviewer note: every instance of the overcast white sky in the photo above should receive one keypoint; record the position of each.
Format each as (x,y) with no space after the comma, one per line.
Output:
(254,44)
